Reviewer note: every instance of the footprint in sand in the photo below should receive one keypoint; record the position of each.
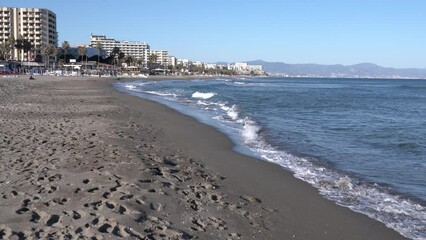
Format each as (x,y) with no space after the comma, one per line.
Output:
(120,231)
(78,214)
(38,216)
(122,210)
(92,190)
(105,228)
(22,210)
(5,232)
(110,205)
(156,206)
(53,220)
(126,197)
(94,205)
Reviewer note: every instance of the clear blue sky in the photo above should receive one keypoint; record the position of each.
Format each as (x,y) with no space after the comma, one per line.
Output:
(390,33)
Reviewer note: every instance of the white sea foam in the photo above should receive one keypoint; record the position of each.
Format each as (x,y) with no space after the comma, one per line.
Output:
(403,215)
(161,93)
(204,103)
(136,86)
(144,83)
(250,132)
(240,83)
(231,112)
(130,87)
(202,95)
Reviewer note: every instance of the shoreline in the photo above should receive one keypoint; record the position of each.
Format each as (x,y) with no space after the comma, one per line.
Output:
(286,175)
(202,188)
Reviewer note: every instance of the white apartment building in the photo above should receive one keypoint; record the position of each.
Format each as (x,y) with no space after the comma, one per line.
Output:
(198,64)
(163,57)
(37,25)
(184,62)
(210,65)
(172,61)
(139,50)
(238,66)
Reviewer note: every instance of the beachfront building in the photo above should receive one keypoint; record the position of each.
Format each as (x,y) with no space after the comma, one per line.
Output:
(136,49)
(163,57)
(37,25)
(210,66)
(172,61)
(198,64)
(184,62)
(244,68)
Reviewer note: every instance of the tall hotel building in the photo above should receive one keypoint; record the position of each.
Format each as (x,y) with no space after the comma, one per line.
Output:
(139,50)
(37,25)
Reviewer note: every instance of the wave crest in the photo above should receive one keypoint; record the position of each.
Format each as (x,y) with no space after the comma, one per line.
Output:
(202,95)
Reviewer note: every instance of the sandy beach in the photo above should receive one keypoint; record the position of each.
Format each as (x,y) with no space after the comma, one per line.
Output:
(81,160)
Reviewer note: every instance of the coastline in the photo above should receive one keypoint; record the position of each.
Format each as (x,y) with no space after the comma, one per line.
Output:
(189,180)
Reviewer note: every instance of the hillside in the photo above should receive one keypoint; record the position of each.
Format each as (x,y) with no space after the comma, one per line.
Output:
(338,70)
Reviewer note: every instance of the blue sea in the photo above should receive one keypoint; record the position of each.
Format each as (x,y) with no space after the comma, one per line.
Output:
(360,142)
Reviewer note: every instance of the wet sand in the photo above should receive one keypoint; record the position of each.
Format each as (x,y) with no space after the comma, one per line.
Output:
(78,159)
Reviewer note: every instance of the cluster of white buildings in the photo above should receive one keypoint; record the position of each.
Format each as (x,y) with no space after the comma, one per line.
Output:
(246,69)
(136,49)
(141,50)
(38,26)
(237,67)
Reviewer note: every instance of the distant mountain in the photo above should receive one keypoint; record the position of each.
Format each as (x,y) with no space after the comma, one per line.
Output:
(338,70)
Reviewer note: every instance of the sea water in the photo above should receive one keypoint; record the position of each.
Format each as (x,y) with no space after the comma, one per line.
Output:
(361,142)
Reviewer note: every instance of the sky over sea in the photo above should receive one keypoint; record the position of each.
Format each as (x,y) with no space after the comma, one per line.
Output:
(391,33)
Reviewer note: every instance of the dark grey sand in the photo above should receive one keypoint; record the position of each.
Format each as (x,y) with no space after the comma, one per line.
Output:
(79,159)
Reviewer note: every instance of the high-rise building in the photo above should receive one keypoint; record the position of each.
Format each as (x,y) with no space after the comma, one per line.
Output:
(138,50)
(37,25)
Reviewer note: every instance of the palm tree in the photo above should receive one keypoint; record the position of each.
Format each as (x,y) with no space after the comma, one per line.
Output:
(65,46)
(27,46)
(19,44)
(129,60)
(53,51)
(44,50)
(99,47)
(3,50)
(139,62)
(180,67)
(10,45)
(115,54)
(82,52)
(121,56)
(152,60)
(48,51)
(171,68)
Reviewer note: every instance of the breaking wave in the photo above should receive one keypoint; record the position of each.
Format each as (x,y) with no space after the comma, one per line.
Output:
(202,95)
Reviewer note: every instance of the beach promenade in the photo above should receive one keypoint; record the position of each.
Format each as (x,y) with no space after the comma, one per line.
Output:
(79,159)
